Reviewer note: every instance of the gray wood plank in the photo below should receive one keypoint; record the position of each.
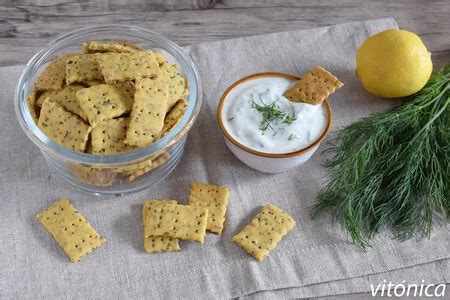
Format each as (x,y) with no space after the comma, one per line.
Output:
(27,25)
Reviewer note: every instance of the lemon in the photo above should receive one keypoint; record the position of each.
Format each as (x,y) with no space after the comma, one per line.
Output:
(393,63)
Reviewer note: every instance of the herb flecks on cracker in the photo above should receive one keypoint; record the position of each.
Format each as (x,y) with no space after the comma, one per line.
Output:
(264,232)
(109,135)
(215,199)
(118,67)
(314,87)
(70,229)
(178,221)
(67,98)
(148,112)
(63,127)
(53,76)
(106,101)
(155,244)
(109,46)
(82,68)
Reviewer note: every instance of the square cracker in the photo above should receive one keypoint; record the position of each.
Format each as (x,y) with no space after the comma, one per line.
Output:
(67,98)
(109,46)
(314,87)
(82,68)
(153,244)
(63,127)
(109,135)
(118,67)
(264,232)
(328,79)
(215,199)
(174,116)
(178,221)
(148,112)
(53,76)
(106,101)
(70,229)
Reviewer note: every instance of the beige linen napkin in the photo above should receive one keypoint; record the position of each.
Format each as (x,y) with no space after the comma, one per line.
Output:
(308,261)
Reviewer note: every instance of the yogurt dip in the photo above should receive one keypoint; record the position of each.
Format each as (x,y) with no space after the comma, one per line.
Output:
(257,115)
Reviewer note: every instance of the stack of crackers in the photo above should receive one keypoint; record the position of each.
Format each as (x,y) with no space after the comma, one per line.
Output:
(166,221)
(113,98)
(314,87)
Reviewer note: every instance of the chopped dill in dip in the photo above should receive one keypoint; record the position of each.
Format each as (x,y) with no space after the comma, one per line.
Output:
(258,116)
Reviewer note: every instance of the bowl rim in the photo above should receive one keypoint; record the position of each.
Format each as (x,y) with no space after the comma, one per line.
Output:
(247,149)
(30,128)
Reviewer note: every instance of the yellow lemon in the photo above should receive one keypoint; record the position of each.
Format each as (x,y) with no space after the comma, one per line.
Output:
(393,63)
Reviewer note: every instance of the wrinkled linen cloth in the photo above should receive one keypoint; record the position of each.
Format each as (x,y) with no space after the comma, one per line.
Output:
(315,259)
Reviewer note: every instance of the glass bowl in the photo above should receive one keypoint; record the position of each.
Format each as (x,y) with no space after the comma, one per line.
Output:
(122,173)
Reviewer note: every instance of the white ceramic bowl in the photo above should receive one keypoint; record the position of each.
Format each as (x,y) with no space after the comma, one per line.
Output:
(262,161)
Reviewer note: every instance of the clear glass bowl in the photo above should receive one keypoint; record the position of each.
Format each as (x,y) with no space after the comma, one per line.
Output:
(112,174)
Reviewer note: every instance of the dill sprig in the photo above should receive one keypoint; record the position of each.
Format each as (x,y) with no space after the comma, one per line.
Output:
(392,170)
(271,114)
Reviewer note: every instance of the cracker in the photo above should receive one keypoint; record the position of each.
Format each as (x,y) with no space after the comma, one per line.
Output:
(63,127)
(67,98)
(82,68)
(106,101)
(174,116)
(70,229)
(177,84)
(109,46)
(148,112)
(154,244)
(314,87)
(215,199)
(264,232)
(118,67)
(328,79)
(179,221)
(53,76)
(31,102)
(109,135)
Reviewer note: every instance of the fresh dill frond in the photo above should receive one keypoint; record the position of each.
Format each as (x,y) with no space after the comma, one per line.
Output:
(271,114)
(392,170)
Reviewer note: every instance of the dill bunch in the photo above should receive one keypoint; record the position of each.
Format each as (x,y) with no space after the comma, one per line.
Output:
(392,170)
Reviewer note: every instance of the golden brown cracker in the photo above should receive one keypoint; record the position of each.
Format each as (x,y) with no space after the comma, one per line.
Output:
(70,229)
(154,244)
(106,101)
(215,199)
(82,68)
(67,98)
(108,137)
(179,221)
(119,67)
(174,116)
(148,112)
(264,232)
(314,87)
(54,75)
(109,46)
(63,127)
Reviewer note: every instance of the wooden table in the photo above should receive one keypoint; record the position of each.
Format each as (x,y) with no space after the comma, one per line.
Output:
(27,25)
